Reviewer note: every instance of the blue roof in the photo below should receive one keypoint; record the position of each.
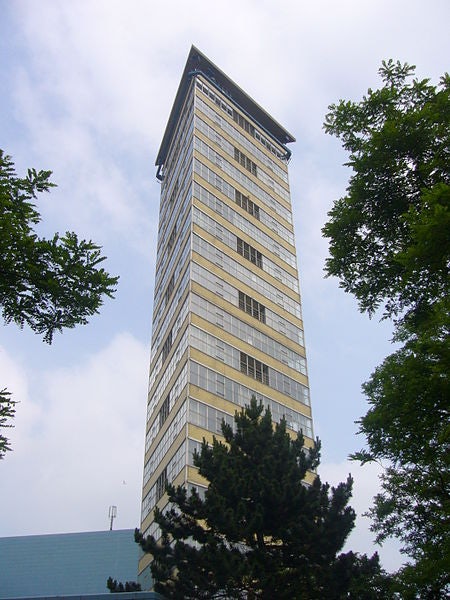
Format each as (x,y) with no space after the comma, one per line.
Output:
(66,564)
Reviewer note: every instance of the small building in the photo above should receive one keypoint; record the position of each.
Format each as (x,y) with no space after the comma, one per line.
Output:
(67,564)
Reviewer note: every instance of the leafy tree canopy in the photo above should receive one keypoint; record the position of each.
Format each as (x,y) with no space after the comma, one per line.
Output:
(7,411)
(259,531)
(408,425)
(48,284)
(117,587)
(390,235)
(390,246)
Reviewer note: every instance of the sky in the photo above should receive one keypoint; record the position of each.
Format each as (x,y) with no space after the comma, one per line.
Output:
(86,91)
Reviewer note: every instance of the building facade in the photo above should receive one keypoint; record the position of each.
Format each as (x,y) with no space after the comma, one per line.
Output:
(227,320)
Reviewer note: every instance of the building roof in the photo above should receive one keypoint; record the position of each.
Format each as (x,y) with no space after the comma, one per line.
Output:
(198,63)
(66,564)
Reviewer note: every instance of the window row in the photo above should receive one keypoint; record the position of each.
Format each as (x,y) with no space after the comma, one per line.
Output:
(254,368)
(174,181)
(161,483)
(167,475)
(252,307)
(178,261)
(167,346)
(162,448)
(232,241)
(244,160)
(231,356)
(156,366)
(170,256)
(235,134)
(154,529)
(241,330)
(242,122)
(160,329)
(245,225)
(244,275)
(153,402)
(213,283)
(164,332)
(175,215)
(245,203)
(208,417)
(243,180)
(228,190)
(169,370)
(229,110)
(178,143)
(248,252)
(232,391)
(169,289)
(164,410)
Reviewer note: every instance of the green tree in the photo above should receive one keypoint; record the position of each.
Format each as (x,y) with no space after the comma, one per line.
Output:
(408,425)
(259,531)
(389,236)
(117,587)
(7,411)
(48,284)
(390,247)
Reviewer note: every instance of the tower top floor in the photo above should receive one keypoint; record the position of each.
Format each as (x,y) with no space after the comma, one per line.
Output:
(196,64)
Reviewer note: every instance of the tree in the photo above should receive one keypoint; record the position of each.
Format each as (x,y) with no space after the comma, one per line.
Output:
(390,247)
(117,587)
(259,531)
(408,425)
(49,284)
(7,411)
(389,236)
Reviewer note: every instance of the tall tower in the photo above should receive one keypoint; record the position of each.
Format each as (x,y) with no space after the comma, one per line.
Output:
(227,318)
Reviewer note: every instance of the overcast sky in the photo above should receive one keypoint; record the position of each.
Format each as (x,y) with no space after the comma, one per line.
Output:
(86,91)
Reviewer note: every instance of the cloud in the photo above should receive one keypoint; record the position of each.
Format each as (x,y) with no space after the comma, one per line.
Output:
(14,379)
(88,90)
(365,487)
(79,435)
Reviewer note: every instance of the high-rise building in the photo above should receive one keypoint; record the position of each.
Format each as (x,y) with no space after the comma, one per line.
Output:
(227,320)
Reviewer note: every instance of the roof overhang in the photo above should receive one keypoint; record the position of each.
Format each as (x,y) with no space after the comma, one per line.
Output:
(197,63)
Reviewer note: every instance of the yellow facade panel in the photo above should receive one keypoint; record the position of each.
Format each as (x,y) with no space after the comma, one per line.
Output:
(226,117)
(221,274)
(246,318)
(261,184)
(237,232)
(284,288)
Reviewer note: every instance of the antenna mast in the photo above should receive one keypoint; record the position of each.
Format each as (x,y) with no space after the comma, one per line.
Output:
(112,514)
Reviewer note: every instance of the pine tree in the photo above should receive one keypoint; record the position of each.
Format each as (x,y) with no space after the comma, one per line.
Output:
(260,531)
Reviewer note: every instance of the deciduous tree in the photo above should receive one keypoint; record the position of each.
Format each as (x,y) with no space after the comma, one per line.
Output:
(390,247)
(389,236)
(48,284)
(7,411)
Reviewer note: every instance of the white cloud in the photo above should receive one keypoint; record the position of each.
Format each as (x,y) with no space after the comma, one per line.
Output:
(79,436)
(14,379)
(89,89)
(365,487)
